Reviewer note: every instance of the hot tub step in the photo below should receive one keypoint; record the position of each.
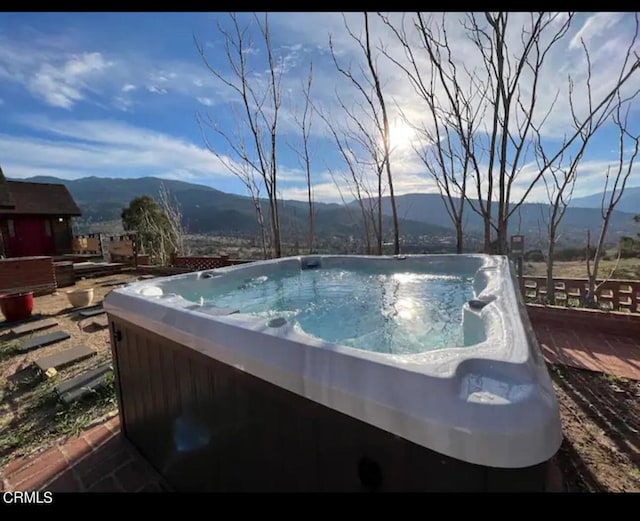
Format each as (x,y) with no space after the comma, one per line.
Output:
(34,326)
(65,358)
(76,388)
(92,312)
(42,340)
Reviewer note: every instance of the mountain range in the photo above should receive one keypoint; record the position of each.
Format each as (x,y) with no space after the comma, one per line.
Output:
(207,210)
(629,202)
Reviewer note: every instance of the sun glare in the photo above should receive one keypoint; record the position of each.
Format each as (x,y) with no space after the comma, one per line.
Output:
(400,135)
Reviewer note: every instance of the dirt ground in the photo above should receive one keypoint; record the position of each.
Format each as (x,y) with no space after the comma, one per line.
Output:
(89,331)
(600,417)
(600,414)
(30,416)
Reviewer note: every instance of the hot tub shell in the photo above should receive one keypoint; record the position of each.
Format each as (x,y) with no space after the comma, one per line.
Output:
(218,400)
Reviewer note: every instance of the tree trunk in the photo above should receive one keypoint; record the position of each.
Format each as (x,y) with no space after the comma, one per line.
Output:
(551,296)
(503,243)
(310,218)
(487,234)
(379,213)
(459,237)
(394,211)
(593,275)
(275,226)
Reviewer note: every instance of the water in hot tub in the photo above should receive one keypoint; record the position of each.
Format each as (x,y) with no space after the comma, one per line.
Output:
(379,311)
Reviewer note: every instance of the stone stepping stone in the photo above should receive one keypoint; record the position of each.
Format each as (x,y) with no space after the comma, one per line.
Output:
(96,325)
(64,358)
(76,388)
(100,324)
(30,327)
(6,326)
(42,340)
(92,312)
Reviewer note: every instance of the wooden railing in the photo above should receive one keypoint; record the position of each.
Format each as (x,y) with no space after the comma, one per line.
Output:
(615,294)
(205,263)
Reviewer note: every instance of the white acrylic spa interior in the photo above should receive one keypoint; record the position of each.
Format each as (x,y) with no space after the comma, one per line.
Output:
(490,402)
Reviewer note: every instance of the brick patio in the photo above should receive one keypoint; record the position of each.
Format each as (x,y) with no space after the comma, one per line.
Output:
(588,348)
(101,460)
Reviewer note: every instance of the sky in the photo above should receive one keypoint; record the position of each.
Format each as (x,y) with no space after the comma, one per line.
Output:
(117,94)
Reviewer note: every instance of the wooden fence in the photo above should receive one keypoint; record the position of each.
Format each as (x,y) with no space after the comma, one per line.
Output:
(88,244)
(615,294)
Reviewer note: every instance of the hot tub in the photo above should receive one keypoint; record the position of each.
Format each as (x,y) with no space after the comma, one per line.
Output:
(337,373)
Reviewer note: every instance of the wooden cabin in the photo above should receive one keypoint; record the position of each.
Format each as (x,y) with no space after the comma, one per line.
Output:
(35,218)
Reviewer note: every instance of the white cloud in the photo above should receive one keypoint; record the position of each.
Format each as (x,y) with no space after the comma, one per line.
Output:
(326,192)
(179,174)
(55,70)
(65,84)
(205,101)
(123,103)
(593,27)
(77,148)
(157,90)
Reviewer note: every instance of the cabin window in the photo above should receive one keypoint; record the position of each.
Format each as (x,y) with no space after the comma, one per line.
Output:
(12,230)
(47,228)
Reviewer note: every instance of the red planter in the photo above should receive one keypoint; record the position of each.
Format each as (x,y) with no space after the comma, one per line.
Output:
(16,306)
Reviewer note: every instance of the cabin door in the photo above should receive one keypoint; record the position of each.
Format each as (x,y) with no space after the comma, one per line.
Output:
(30,236)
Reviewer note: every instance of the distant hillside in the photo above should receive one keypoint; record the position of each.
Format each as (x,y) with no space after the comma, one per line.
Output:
(528,219)
(207,210)
(629,202)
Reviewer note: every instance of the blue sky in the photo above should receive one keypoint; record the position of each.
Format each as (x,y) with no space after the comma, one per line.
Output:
(115,95)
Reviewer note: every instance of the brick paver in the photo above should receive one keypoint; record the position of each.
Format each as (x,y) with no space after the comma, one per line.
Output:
(588,348)
(99,460)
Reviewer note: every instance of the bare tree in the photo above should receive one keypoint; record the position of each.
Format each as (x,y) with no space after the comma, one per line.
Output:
(305,122)
(441,145)
(252,159)
(357,147)
(175,230)
(560,177)
(616,179)
(508,77)
(376,131)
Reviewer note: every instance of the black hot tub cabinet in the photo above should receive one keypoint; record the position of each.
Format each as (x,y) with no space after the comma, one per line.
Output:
(220,401)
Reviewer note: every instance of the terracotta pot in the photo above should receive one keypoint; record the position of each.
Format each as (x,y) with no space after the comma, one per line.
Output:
(16,306)
(80,298)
